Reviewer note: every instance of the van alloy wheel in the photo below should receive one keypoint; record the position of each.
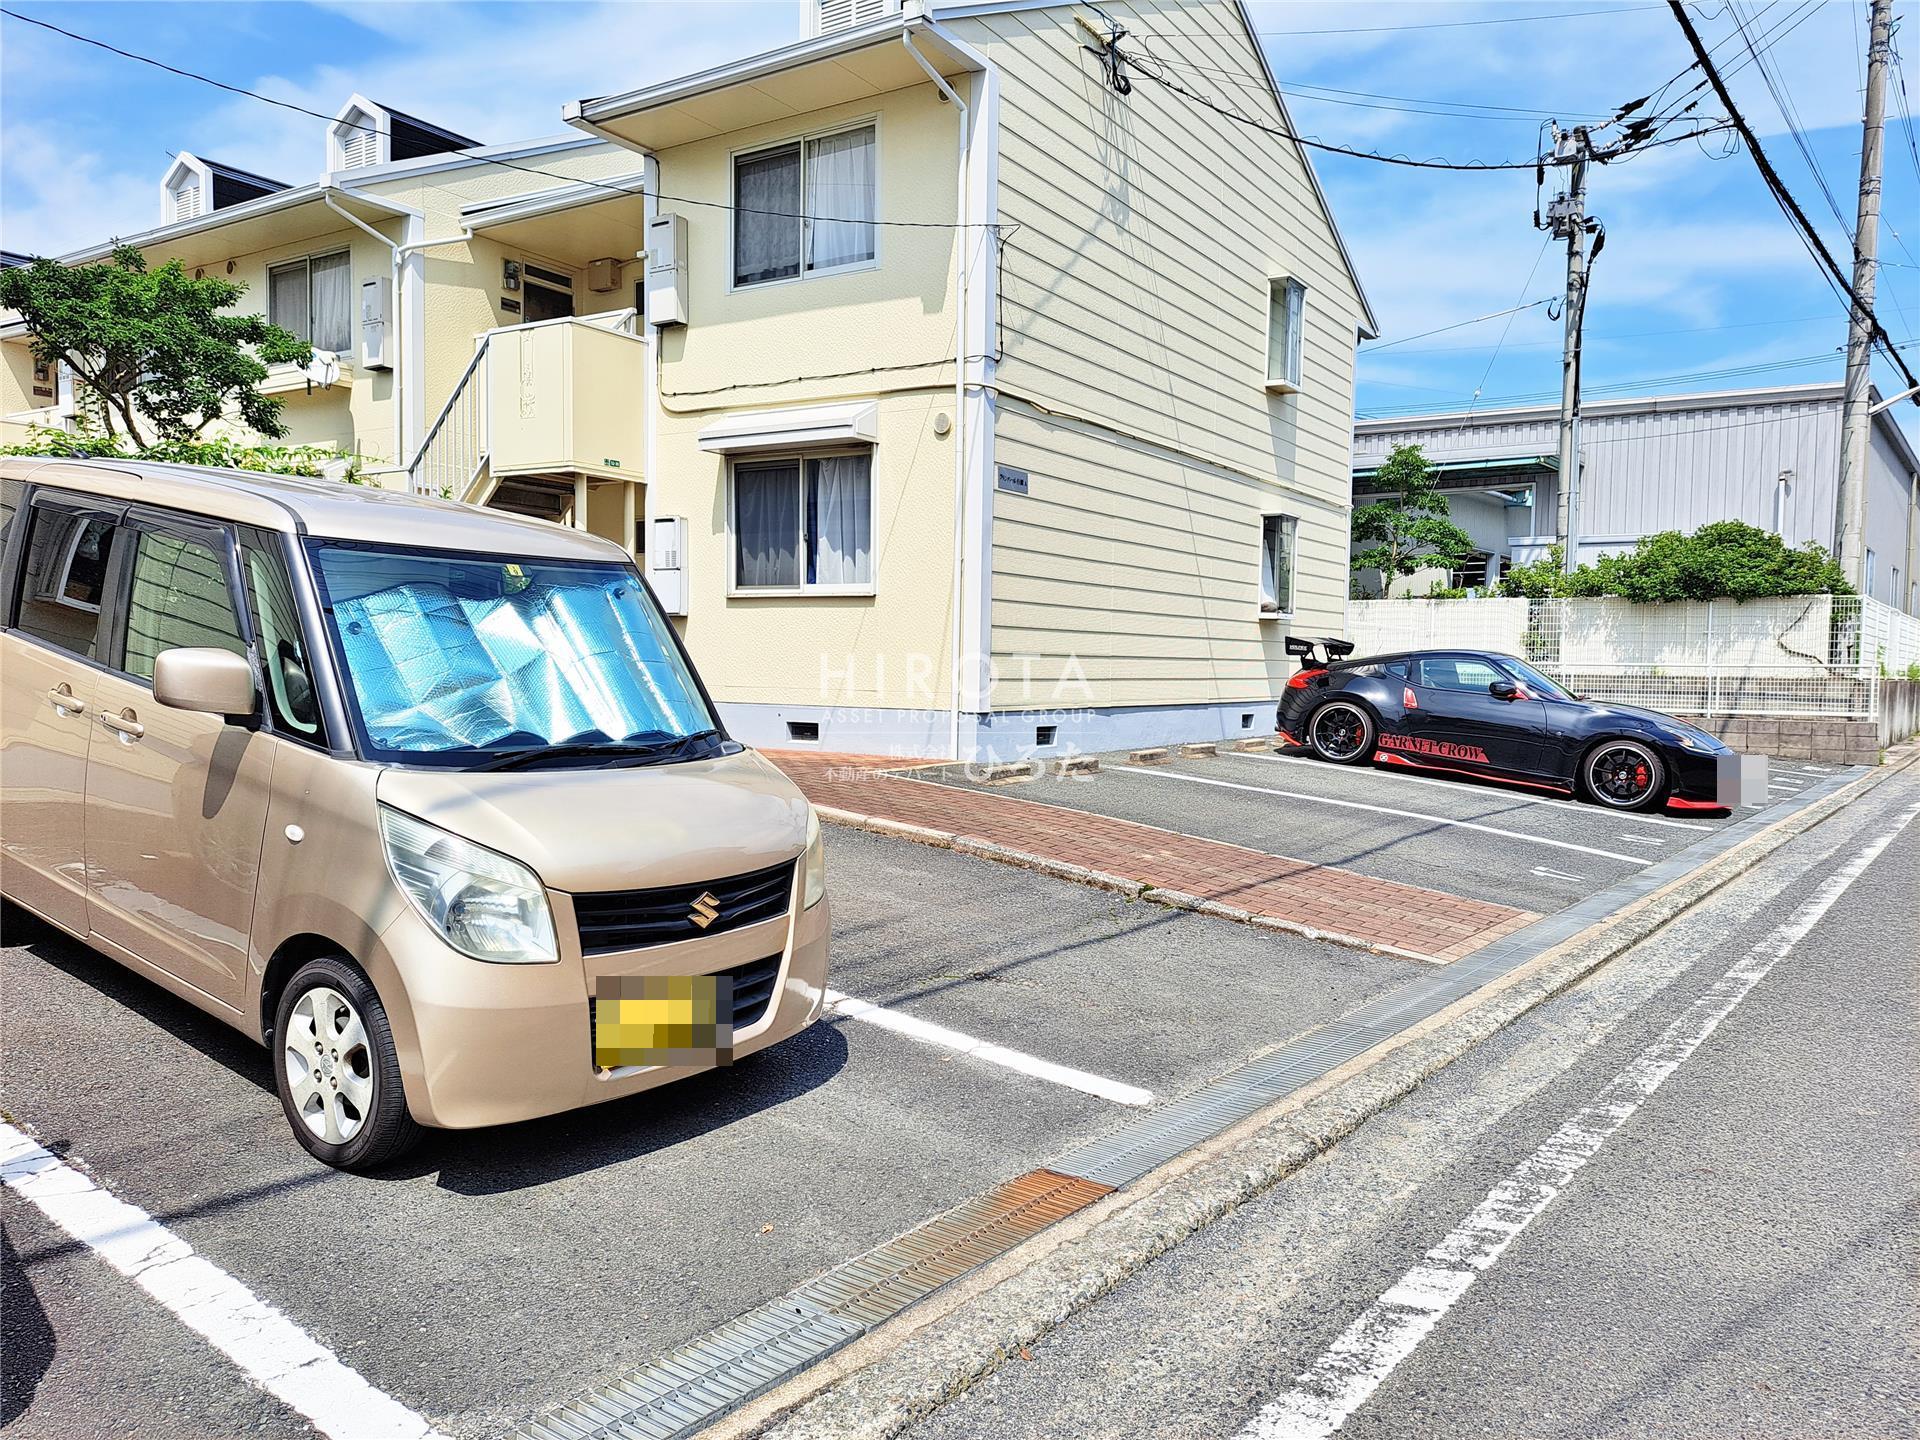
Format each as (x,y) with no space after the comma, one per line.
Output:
(329,1065)
(1624,774)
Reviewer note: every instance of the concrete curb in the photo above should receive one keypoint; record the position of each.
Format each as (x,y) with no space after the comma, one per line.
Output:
(893,1377)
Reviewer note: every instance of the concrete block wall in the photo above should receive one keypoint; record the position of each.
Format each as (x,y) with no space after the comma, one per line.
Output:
(1827,740)
(1899,710)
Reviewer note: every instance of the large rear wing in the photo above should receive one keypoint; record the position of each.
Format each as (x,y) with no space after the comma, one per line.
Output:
(1305,648)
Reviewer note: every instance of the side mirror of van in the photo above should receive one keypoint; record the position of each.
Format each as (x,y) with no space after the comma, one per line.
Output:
(217,682)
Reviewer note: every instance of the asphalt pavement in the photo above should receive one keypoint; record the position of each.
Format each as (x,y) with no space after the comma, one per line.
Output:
(495,1273)
(1740,1258)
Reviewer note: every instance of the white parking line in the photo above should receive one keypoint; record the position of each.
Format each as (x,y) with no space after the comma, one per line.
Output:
(273,1352)
(1642,839)
(928,1033)
(1389,1330)
(1458,788)
(1555,874)
(1384,810)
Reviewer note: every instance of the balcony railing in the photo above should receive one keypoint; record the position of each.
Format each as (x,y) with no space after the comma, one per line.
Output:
(553,398)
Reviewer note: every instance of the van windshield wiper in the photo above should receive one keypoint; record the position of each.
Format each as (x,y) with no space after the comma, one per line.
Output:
(611,750)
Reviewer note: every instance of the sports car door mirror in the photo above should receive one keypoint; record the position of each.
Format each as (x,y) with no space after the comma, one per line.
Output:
(1504,690)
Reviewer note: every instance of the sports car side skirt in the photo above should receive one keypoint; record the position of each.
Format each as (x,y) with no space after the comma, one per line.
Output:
(1391,757)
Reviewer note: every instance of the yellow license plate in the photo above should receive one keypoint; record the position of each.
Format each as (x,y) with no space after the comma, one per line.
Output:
(663,1020)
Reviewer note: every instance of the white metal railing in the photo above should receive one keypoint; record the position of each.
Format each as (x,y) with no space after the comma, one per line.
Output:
(1788,656)
(449,459)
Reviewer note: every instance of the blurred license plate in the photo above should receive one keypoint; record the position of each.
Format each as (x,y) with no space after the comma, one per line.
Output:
(663,1020)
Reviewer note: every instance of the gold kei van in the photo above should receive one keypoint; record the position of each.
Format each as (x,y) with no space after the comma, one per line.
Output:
(426,798)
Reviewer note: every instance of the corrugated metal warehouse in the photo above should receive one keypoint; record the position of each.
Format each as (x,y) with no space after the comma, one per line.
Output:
(1769,457)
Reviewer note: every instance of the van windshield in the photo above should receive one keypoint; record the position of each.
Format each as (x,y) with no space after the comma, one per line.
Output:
(473,660)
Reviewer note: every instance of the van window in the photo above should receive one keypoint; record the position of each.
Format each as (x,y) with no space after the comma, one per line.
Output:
(179,597)
(283,651)
(66,576)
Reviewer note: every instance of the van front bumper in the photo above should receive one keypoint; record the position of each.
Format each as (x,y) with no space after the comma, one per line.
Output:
(486,1044)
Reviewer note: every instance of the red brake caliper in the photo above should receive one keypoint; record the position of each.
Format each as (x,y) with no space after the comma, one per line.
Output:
(1640,777)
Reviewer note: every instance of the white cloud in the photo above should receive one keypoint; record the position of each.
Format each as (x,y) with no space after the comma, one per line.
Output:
(58,198)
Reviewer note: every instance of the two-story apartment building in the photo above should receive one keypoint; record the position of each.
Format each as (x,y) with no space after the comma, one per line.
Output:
(965,391)
(1005,398)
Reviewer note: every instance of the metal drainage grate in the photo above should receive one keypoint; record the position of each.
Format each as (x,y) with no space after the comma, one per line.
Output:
(699,1382)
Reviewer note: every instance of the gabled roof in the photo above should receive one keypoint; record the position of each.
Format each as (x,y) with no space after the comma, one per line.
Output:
(1370,326)
(244,177)
(453,140)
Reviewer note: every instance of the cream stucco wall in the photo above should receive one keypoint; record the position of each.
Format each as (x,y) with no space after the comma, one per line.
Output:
(883,332)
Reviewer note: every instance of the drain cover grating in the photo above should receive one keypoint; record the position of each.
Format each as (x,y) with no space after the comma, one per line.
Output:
(698,1383)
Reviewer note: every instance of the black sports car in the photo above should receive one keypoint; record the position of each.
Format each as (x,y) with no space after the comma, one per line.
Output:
(1472,712)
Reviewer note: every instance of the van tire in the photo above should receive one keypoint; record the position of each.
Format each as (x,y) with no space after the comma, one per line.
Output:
(384,1128)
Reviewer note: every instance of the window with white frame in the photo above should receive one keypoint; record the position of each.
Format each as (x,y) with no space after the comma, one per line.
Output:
(803,523)
(1279,540)
(1872,565)
(1286,320)
(804,207)
(313,298)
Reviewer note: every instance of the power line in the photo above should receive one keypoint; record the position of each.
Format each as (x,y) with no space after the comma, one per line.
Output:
(1150,67)
(1783,101)
(1466,24)
(473,154)
(1784,198)
(1728,372)
(1460,324)
(1613,334)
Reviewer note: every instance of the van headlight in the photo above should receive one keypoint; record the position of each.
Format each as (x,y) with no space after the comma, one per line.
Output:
(482,903)
(814,863)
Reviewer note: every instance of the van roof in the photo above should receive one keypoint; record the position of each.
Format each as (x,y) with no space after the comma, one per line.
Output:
(329,509)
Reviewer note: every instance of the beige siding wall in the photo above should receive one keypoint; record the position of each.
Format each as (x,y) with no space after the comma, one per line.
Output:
(1134,294)
(1141,575)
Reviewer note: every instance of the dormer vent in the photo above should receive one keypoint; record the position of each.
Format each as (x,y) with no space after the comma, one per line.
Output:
(193,187)
(366,133)
(830,15)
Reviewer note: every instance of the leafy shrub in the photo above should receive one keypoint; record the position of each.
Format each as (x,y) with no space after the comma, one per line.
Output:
(1725,560)
(222,453)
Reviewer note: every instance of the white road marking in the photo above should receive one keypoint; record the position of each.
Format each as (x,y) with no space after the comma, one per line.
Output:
(1345,1377)
(272,1351)
(1382,810)
(1502,794)
(928,1033)
(1555,874)
(1642,839)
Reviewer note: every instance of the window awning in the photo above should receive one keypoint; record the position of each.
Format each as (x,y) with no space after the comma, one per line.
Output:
(794,427)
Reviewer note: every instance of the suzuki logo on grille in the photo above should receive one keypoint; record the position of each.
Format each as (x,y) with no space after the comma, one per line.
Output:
(704,911)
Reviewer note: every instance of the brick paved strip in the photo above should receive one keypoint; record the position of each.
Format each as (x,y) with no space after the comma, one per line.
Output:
(1185,870)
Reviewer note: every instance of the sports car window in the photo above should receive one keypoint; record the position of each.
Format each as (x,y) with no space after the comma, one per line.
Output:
(1457,672)
(1542,686)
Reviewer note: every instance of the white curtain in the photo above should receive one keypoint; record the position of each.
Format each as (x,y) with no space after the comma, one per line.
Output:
(766,503)
(287,300)
(843,520)
(766,246)
(333,302)
(840,199)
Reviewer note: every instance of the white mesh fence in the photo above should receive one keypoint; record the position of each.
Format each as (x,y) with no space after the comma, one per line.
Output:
(1789,656)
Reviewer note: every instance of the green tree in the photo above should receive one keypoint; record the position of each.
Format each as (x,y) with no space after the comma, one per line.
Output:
(155,353)
(1408,529)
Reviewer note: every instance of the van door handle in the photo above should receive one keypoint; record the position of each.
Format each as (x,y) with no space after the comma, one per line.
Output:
(123,724)
(63,698)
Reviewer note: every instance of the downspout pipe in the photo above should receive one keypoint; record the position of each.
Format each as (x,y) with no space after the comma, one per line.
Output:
(398,253)
(959,382)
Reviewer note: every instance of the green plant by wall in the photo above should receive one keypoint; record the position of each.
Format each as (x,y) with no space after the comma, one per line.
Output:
(223,453)
(1726,560)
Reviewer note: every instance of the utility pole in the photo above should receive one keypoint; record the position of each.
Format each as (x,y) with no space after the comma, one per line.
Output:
(1567,219)
(1856,424)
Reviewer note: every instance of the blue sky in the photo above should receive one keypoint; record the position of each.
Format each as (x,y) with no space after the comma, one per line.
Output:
(1701,272)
